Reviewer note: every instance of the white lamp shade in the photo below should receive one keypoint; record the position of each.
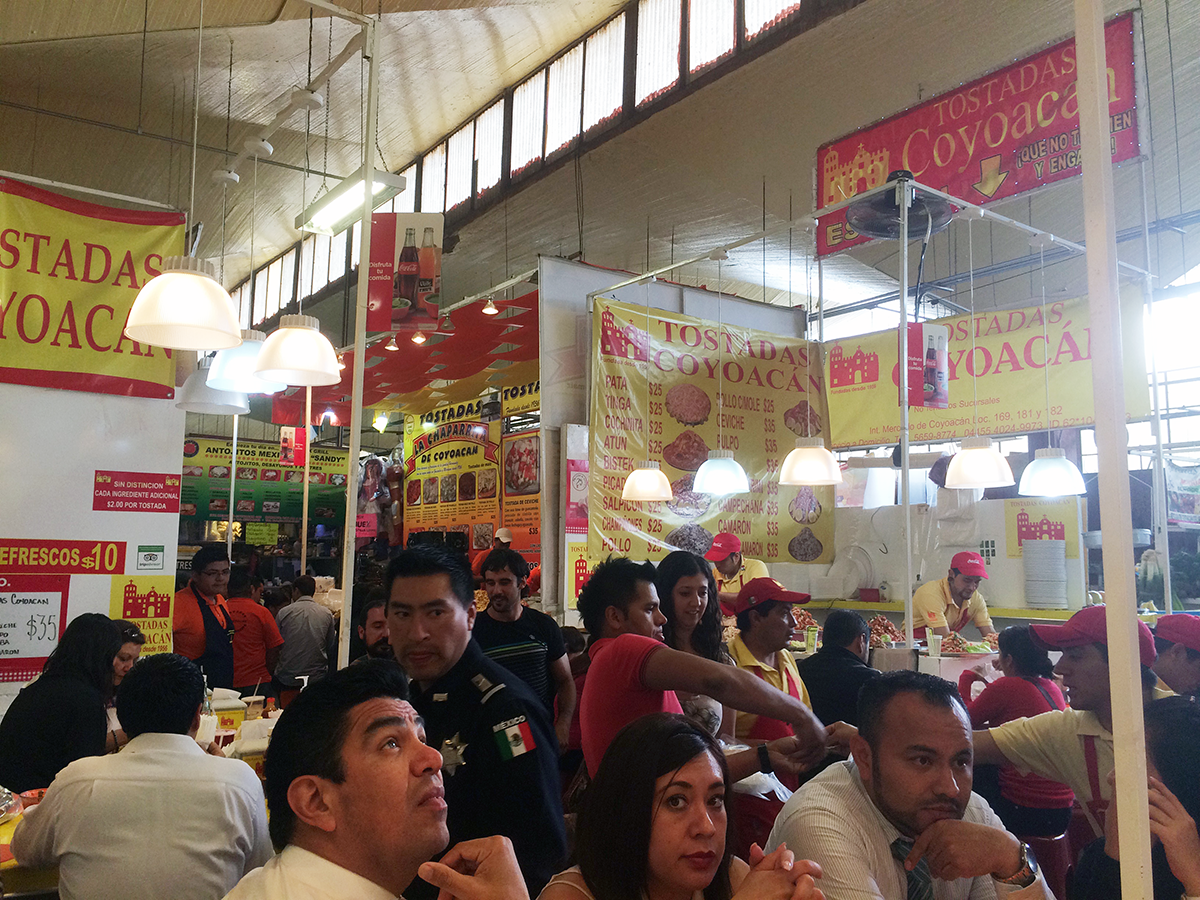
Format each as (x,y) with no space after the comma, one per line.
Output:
(1050,474)
(978,465)
(297,353)
(233,369)
(198,396)
(646,482)
(184,308)
(810,463)
(721,474)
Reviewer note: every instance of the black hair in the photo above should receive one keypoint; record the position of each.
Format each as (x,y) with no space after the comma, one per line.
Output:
(86,652)
(160,695)
(433,559)
(616,818)
(376,599)
(843,627)
(304,586)
(130,633)
(573,639)
(1173,743)
(613,582)
(1162,645)
(762,609)
(876,694)
(1149,676)
(210,553)
(239,582)
(310,734)
(707,636)
(1030,660)
(275,597)
(505,558)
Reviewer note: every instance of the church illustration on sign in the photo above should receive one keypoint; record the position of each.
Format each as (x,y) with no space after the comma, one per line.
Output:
(861,173)
(1045,530)
(150,605)
(861,368)
(628,342)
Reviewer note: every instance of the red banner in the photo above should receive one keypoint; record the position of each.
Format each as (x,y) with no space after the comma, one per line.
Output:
(37,557)
(1001,135)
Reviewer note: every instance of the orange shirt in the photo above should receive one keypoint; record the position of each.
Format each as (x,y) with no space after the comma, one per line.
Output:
(188,624)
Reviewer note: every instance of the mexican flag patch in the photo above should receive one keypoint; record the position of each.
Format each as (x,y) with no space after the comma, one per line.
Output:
(514,738)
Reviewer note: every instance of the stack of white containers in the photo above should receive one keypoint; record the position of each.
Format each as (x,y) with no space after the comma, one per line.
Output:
(1045,574)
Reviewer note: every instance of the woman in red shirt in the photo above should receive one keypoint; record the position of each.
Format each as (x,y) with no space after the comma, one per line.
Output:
(1028,805)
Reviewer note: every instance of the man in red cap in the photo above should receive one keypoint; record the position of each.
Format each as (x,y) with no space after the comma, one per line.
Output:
(764,619)
(734,571)
(1177,639)
(950,603)
(1073,746)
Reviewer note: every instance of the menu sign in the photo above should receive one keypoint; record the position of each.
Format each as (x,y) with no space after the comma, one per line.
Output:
(670,387)
(266,491)
(452,474)
(33,614)
(521,509)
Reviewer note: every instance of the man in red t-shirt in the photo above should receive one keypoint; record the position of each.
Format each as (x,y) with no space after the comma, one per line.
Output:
(256,637)
(633,673)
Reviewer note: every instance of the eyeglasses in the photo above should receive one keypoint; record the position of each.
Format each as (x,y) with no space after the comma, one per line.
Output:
(210,573)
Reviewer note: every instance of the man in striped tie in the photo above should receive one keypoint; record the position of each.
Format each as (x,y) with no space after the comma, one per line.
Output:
(898,820)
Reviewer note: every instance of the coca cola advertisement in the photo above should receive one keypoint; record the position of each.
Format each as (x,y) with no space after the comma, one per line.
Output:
(405,281)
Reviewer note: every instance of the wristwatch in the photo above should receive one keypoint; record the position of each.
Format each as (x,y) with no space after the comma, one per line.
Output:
(764,760)
(1026,874)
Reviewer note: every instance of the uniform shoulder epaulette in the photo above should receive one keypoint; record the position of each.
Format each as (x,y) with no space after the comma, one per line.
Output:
(486,688)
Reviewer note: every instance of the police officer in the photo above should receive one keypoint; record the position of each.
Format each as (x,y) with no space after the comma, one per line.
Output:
(499,753)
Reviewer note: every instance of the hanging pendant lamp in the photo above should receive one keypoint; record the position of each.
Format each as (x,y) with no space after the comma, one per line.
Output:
(978,465)
(298,354)
(646,482)
(1050,474)
(810,463)
(233,369)
(721,474)
(198,396)
(184,308)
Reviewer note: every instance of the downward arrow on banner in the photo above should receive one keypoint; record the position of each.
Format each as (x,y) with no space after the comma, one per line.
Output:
(990,176)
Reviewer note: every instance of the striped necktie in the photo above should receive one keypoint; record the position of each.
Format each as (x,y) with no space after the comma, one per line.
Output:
(920,882)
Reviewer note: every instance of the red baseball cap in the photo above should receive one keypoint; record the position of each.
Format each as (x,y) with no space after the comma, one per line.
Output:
(760,590)
(723,545)
(1180,628)
(1088,627)
(969,563)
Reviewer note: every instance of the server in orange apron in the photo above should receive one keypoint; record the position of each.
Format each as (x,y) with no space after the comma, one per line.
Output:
(764,619)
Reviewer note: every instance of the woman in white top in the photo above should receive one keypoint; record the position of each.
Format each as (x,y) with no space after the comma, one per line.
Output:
(653,822)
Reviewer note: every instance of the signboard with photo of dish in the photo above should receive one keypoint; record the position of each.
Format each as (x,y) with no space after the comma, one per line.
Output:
(452,474)
(266,490)
(671,387)
(521,510)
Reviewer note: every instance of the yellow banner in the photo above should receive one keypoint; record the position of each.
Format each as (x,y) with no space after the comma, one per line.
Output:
(146,602)
(522,398)
(69,273)
(452,474)
(1007,373)
(1041,518)
(656,386)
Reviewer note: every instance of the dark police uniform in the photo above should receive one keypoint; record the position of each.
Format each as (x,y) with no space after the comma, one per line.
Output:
(499,765)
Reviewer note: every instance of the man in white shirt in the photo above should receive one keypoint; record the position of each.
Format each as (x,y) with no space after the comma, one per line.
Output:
(898,820)
(357,805)
(159,819)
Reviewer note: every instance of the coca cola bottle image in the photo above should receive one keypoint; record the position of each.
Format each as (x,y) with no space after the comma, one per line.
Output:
(429,264)
(404,285)
(930,371)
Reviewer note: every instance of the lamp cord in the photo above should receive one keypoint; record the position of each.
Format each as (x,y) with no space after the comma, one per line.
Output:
(720,367)
(195,126)
(1045,337)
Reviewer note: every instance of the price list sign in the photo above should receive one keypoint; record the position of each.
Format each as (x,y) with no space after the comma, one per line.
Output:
(670,388)
(33,610)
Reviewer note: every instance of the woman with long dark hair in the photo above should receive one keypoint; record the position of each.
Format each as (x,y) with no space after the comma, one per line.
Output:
(653,826)
(1029,805)
(60,717)
(687,594)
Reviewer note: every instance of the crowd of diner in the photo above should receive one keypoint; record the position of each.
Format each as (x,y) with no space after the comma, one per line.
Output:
(672,749)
